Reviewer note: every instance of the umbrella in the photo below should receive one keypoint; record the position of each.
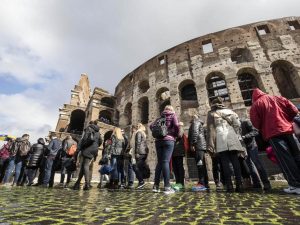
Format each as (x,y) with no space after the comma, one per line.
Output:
(4,136)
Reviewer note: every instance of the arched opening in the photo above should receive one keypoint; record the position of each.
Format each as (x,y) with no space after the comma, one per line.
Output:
(247,83)
(105,117)
(144,86)
(240,55)
(76,124)
(143,105)
(108,102)
(216,86)
(117,117)
(163,98)
(188,94)
(287,79)
(128,113)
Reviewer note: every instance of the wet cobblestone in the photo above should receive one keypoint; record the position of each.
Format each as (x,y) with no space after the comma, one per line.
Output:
(37,206)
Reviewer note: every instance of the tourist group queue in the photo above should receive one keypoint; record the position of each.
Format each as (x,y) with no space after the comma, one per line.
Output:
(232,142)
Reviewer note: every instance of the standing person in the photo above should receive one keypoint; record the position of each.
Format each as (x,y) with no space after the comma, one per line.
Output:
(198,145)
(4,157)
(223,138)
(69,147)
(128,155)
(117,148)
(21,159)
(164,143)
(248,134)
(123,162)
(89,146)
(35,157)
(273,117)
(180,147)
(52,150)
(140,153)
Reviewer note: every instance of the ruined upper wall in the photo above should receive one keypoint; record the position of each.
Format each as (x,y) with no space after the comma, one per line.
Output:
(223,43)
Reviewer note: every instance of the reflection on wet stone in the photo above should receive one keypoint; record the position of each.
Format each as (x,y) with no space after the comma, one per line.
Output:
(58,206)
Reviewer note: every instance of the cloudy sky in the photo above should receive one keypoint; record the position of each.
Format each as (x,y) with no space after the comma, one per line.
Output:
(46,45)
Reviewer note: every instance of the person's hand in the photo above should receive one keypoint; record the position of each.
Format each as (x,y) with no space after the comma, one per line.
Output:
(243,137)
(193,149)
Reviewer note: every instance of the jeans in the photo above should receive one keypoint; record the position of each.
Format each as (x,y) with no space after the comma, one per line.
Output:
(178,169)
(84,171)
(48,170)
(253,159)
(9,170)
(139,164)
(64,171)
(288,156)
(164,150)
(130,173)
(117,164)
(201,166)
(226,158)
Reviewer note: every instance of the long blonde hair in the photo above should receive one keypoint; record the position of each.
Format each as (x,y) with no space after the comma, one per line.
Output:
(141,128)
(170,108)
(118,133)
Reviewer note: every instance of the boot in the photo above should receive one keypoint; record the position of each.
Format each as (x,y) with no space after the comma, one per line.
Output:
(239,187)
(86,187)
(76,186)
(229,188)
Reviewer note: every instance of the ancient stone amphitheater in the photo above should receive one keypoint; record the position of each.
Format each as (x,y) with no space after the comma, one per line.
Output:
(228,63)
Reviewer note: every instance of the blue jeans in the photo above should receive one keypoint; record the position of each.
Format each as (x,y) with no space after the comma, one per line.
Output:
(9,170)
(18,167)
(48,170)
(117,164)
(164,150)
(254,159)
(114,166)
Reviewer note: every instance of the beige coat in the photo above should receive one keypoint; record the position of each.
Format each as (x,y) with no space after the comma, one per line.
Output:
(223,134)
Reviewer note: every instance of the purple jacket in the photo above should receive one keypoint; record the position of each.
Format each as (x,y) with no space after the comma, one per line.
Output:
(172,124)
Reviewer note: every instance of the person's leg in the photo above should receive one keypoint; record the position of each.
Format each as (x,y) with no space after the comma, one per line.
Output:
(253,173)
(3,169)
(91,170)
(18,167)
(114,172)
(139,174)
(286,160)
(31,174)
(158,169)
(175,164)
(86,167)
(215,169)
(200,165)
(260,167)
(48,170)
(130,174)
(233,155)
(294,149)
(168,147)
(9,170)
(225,162)
(121,172)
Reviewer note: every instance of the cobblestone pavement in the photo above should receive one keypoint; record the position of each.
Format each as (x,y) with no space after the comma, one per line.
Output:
(33,205)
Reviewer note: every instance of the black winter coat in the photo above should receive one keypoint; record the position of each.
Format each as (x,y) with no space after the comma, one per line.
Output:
(141,147)
(92,150)
(179,147)
(36,154)
(249,133)
(196,135)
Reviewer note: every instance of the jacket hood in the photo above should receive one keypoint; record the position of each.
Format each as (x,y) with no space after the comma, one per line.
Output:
(41,141)
(257,94)
(218,106)
(95,127)
(168,113)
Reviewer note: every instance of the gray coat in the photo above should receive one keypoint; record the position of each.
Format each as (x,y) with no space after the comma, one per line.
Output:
(224,131)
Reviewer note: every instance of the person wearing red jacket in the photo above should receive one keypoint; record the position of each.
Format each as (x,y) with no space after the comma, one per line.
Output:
(273,117)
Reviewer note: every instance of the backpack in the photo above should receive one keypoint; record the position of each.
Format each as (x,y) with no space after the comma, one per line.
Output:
(159,128)
(24,148)
(88,138)
(71,151)
(14,148)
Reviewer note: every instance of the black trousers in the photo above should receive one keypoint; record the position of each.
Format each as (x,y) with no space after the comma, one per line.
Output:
(217,170)
(84,171)
(178,169)
(226,158)
(138,166)
(244,168)
(288,156)
(201,166)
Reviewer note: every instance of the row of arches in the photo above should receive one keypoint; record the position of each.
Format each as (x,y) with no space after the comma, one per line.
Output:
(285,75)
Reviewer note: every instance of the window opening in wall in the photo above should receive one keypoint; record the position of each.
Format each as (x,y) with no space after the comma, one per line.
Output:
(294,25)
(240,55)
(247,83)
(263,30)
(188,92)
(144,111)
(216,87)
(162,60)
(105,117)
(144,86)
(207,46)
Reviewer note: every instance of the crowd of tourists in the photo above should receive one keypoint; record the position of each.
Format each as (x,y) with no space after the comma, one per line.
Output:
(232,142)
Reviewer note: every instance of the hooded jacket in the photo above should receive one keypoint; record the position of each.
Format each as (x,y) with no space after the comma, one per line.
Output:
(249,133)
(172,124)
(196,135)
(36,153)
(92,150)
(223,134)
(272,115)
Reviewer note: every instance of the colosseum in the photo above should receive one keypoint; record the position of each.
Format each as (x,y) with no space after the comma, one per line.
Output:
(228,63)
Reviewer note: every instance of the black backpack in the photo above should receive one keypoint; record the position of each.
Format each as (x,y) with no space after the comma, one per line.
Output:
(88,138)
(159,128)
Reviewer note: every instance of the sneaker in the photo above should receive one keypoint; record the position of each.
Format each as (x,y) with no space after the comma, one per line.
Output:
(141,185)
(267,187)
(155,189)
(199,187)
(218,187)
(169,190)
(177,187)
(122,186)
(292,190)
